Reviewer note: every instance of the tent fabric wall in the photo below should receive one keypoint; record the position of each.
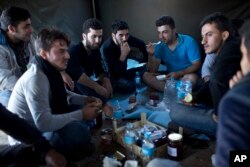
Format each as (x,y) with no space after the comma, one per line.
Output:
(66,15)
(140,14)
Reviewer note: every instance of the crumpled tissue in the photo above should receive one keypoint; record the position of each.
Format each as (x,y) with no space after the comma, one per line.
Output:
(131,163)
(111,162)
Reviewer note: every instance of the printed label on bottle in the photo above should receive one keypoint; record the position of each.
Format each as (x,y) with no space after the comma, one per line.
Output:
(172,151)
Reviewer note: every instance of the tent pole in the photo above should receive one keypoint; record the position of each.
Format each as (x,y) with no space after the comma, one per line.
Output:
(93,8)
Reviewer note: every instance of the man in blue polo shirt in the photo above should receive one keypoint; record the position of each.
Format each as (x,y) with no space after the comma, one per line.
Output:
(180,53)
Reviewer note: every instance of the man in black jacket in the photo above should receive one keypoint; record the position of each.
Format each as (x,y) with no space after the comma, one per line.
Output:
(233,123)
(116,51)
(29,154)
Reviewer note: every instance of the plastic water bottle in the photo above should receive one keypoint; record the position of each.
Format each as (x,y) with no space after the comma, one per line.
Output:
(169,93)
(129,134)
(148,148)
(117,110)
(117,114)
(137,82)
(129,140)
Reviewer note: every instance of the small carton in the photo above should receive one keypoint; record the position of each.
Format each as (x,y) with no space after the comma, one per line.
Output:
(160,146)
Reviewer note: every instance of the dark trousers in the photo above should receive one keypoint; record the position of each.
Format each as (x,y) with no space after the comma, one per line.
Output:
(84,90)
(73,140)
(18,156)
(126,83)
(201,93)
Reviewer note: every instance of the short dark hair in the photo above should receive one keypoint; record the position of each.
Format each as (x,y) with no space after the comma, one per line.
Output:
(119,25)
(165,20)
(245,34)
(221,21)
(47,36)
(91,23)
(13,16)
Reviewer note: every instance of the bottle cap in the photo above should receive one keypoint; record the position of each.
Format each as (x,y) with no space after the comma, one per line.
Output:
(175,137)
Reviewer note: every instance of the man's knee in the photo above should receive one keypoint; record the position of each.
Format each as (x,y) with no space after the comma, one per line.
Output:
(74,135)
(191,77)
(178,117)
(77,132)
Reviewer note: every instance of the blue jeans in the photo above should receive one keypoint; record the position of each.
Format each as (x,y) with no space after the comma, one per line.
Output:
(4,97)
(198,119)
(73,140)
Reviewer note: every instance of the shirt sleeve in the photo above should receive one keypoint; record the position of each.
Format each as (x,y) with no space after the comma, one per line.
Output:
(115,67)
(7,77)
(74,98)
(38,101)
(193,51)
(74,68)
(207,65)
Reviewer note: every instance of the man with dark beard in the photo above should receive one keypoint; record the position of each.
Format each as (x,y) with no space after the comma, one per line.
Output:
(116,51)
(86,65)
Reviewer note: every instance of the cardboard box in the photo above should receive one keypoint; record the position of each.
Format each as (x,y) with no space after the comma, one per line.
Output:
(161,148)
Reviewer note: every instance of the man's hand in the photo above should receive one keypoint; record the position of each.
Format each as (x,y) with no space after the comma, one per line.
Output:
(125,49)
(175,75)
(94,100)
(150,48)
(107,84)
(68,80)
(235,79)
(214,117)
(108,110)
(90,110)
(206,78)
(54,159)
